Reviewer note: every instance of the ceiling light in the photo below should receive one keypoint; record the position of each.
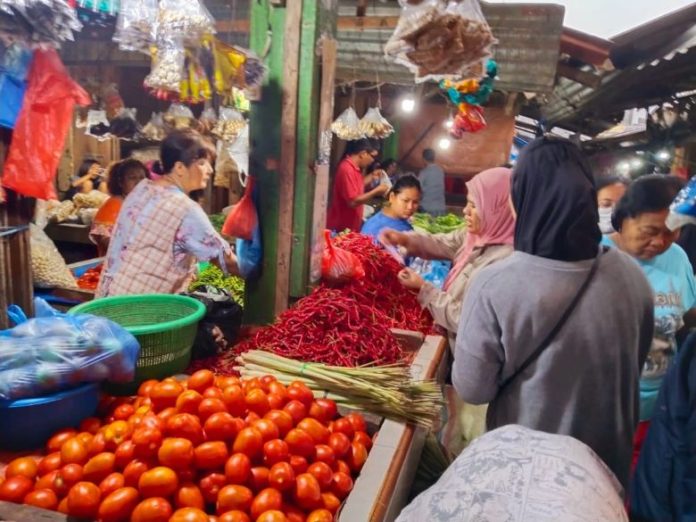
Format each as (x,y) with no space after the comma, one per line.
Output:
(449,123)
(444,143)
(636,163)
(663,155)
(408,104)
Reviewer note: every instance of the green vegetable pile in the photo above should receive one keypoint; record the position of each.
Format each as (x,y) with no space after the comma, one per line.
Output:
(217,220)
(437,225)
(214,277)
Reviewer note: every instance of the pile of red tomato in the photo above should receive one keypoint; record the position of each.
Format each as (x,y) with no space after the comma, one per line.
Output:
(210,448)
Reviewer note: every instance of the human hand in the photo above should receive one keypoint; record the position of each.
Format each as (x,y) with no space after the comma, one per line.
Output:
(409,279)
(382,189)
(392,238)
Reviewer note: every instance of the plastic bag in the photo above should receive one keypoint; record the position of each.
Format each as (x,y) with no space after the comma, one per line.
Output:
(154,129)
(250,254)
(242,219)
(437,39)
(48,266)
(168,71)
(347,126)
(338,265)
(14,66)
(38,23)
(374,125)
(55,351)
(682,211)
(125,125)
(39,135)
(468,119)
(135,27)
(184,18)
(222,312)
(178,116)
(431,270)
(230,124)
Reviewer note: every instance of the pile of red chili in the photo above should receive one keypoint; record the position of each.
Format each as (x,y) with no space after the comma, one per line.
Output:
(90,279)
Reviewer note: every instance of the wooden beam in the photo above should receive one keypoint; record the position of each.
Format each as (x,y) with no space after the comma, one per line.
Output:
(345,23)
(583,77)
(361,8)
(288,149)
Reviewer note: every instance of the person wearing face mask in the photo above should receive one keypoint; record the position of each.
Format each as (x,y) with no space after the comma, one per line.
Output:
(161,232)
(642,233)
(609,191)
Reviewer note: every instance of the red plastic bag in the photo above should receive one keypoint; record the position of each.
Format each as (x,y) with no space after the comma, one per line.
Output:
(338,265)
(42,125)
(242,219)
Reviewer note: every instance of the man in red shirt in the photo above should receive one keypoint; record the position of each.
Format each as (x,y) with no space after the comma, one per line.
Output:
(349,196)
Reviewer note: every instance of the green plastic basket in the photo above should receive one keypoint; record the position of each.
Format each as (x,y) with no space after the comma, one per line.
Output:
(165,326)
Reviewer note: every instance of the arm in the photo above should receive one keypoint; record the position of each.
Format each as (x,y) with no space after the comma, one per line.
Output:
(426,246)
(478,353)
(367,196)
(445,308)
(80,181)
(197,237)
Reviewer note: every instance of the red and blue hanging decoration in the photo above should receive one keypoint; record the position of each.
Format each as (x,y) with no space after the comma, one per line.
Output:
(469,96)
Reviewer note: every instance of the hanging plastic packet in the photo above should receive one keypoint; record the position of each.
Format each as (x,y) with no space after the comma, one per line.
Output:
(39,23)
(167,71)
(229,125)
(347,126)
(178,116)
(468,119)
(154,129)
(374,125)
(683,209)
(228,67)
(186,19)
(135,27)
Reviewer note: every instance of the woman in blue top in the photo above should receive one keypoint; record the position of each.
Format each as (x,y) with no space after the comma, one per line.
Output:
(639,219)
(402,202)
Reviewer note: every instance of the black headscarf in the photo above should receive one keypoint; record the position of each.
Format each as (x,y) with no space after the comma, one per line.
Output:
(554,196)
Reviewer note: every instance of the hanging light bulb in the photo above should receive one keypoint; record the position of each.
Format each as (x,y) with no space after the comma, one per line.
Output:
(663,155)
(408,104)
(449,123)
(444,143)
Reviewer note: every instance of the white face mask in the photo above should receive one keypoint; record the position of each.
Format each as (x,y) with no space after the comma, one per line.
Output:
(605,220)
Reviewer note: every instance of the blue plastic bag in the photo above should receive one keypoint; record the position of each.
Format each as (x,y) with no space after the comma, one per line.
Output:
(249,254)
(683,209)
(431,270)
(14,66)
(55,351)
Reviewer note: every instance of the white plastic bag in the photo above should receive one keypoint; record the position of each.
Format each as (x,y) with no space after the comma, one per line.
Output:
(347,126)
(185,19)
(154,129)
(374,125)
(178,116)
(168,62)
(136,25)
(230,124)
(47,265)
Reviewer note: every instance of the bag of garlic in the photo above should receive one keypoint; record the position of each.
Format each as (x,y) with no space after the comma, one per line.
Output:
(347,126)
(374,125)
(47,265)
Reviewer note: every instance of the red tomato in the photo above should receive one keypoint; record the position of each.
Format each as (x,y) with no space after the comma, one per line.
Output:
(42,498)
(320,515)
(116,433)
(189,515)
(297,410)
(272,515)
(267,500)
(67,477)
(124,454)
(212,392)
(59,438)
(324,410)
(257,401)
(158,482)
(189,495)
(299,391)
(83,500)
(73,452)
(325,454)
(225,381)
(275,451)
(111,483)
(331,502)
(251,384)
(147,441)
(133,471)
(279,389)
(363,438)
(250,442)
(124,412)
(152,510)
(299,464)
(294,514)
(201,380)
(282,419)
(209,406)
(233,397)
(323,473)
(357,420)
(234,516)
(164,394)
(341,485)
(210,485)
(343,426)
(343,467)
(188,402)
(307,491)
(97,444)
(318,432)
(234,497)
(15,489)
(119,505)
(268,429)
(357,456)
(300,443)
(238,468)
(145,388)
(281,476)
(24,466)
(48,481)
(150,420)
(259,478)
(220,426)
(99,467)
(49,463)
(91,425)
(185,426)
(167,414)
(176,453)
(63,506)
(340,444)
(275,401)
(210,455)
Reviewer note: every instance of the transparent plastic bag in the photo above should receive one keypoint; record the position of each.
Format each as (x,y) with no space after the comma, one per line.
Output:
(39,23)
(338,265)
(437,40)
(135,27)
(178,116)
(55,351)
(374,125)
(168,69)
(154,129)
(469,119)
(187,19)
(347,126)
(432,271)
(250,254)
(47,265)
(683,209)
(229,125)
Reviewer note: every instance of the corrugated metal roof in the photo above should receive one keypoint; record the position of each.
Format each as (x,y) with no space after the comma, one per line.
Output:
(527,53)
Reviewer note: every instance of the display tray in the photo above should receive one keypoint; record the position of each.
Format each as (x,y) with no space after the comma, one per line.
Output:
(65,298)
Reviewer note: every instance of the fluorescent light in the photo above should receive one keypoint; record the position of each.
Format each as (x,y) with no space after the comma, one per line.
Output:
(408,104)
(444,143)
(663,155)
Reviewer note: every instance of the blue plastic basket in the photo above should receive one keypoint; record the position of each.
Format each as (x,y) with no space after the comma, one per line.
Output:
(29,423)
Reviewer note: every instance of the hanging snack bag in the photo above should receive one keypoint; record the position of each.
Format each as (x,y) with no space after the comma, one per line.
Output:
(178,116)
(374,125)
(230,124)
(347,126)
(168,71)
(186,19)
(135,27)
(338,265)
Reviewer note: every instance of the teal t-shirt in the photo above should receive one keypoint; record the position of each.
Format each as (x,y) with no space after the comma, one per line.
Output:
(671,277)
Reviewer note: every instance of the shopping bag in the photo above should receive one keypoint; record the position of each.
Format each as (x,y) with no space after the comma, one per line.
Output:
(242,219)
(338,265)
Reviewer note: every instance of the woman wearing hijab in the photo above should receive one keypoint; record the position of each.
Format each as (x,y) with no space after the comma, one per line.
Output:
(486,239)
(554,336)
